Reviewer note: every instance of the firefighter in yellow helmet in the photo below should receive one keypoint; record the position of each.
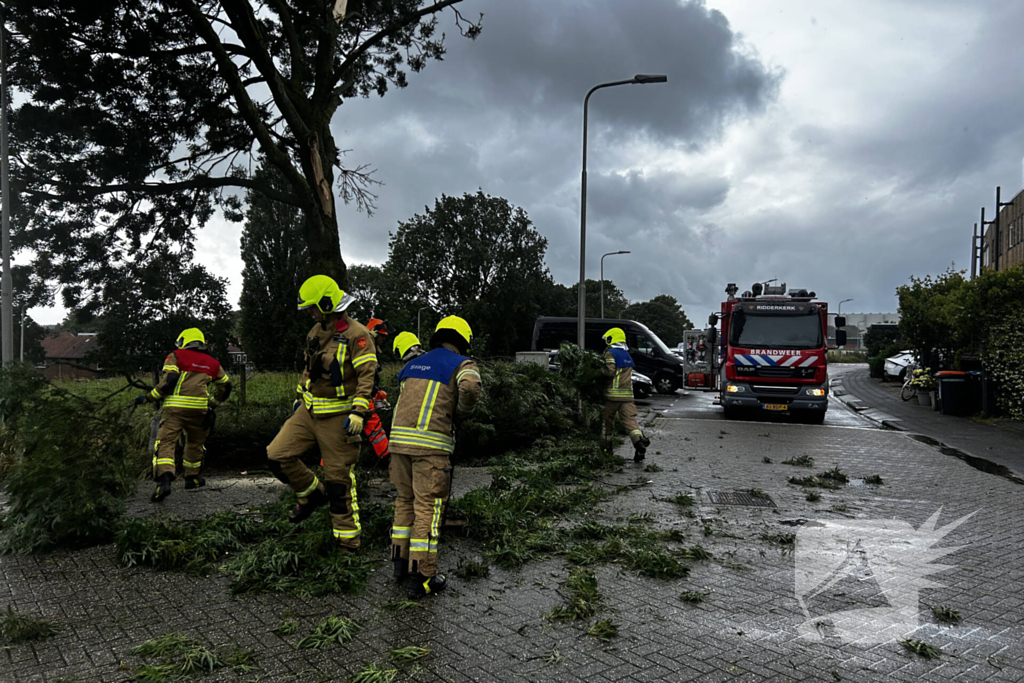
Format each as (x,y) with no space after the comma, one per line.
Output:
(407,346)
(187,373)
(618,367)
(438,390)
(333,399)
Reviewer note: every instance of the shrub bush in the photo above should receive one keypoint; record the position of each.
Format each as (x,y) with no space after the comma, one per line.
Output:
(876,365)
(73,463)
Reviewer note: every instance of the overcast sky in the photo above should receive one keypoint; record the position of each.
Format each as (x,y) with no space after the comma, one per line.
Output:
(838,146)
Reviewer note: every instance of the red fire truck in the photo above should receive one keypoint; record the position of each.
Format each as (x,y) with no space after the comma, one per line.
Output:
(772,352)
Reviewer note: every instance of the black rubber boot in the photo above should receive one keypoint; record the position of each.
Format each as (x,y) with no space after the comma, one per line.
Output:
(163,487)
(401,569)
(421,586)
(645,442)
(194,481)
(304,510)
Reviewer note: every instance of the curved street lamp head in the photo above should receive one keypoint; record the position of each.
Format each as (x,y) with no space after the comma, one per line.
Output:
(650,78)
(622,252)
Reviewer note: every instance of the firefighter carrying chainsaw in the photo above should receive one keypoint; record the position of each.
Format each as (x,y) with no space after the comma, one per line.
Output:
(186,407)
(373,429)
(438,389)
(618,367)
(333,399)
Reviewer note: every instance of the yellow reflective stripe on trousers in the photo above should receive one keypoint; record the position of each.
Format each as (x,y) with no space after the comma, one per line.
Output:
(422,439)
(401,531)
(419,544)
(365,358)
(351,533)
(308,491)
(427,407)
(435,525)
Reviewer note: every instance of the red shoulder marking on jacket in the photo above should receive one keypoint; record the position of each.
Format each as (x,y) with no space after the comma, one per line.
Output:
(197,361)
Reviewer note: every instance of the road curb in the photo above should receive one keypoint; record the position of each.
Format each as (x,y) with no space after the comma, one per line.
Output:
(883,420)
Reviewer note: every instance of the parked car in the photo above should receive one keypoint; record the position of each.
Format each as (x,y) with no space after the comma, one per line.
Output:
(652,357)
(896,366)
(643,387)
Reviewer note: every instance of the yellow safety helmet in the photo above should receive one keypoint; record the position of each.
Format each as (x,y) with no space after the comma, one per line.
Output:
(405,341)
(190,336)
(324,293)
(614,336)
(454,330)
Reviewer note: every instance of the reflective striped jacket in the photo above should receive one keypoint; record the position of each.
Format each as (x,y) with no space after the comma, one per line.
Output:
(341,361)
(618,366)
(187,378)
(424,418)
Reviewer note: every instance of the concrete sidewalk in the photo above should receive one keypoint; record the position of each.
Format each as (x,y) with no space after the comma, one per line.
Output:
(999,441)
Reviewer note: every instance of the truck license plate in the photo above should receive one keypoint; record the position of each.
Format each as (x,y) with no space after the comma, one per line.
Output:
(776,406)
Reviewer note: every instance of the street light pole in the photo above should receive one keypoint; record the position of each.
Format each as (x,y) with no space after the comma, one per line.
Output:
(610,253)
(840,311)
(582,300)
(7,284)
(424,308)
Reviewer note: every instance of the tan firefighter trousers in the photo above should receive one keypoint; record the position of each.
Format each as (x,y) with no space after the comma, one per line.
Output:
(173,422)
(339,451)
(628,411)
(424,484)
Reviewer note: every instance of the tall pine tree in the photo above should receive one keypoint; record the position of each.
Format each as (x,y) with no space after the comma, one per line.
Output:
(277,261)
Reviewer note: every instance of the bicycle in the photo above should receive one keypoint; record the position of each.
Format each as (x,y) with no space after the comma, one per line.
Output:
(909,389)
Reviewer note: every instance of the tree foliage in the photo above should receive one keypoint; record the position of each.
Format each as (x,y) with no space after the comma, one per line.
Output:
(370,287)
(143,314)
(475,256)
(946,315)
(134,117)
(663,315)
(276,261)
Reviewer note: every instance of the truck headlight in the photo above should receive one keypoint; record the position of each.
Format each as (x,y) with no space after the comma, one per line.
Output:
(735,388)
(815,392)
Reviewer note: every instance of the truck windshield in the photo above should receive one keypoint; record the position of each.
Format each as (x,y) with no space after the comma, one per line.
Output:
(776,332)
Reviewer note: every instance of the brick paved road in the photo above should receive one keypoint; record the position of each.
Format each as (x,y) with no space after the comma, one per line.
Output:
(493,629)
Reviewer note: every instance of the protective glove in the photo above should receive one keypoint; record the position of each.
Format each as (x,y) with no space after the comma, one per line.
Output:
(354,424)
(295,406)
(139,400)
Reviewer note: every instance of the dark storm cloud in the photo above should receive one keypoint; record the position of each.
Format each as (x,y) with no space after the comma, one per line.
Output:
(503,114)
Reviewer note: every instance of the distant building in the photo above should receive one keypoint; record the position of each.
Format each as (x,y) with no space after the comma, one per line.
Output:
(65,356)
(857,325)
(1011,237)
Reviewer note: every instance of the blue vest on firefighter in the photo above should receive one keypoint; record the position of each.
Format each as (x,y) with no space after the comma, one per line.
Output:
(622,358)
(437,365)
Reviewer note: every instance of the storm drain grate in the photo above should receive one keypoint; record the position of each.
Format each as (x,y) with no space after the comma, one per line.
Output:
(740,498)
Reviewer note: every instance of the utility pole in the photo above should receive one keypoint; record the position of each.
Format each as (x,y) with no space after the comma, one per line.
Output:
(999,210)
(21,356)
(974,253)
(7,285)
(983,224)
